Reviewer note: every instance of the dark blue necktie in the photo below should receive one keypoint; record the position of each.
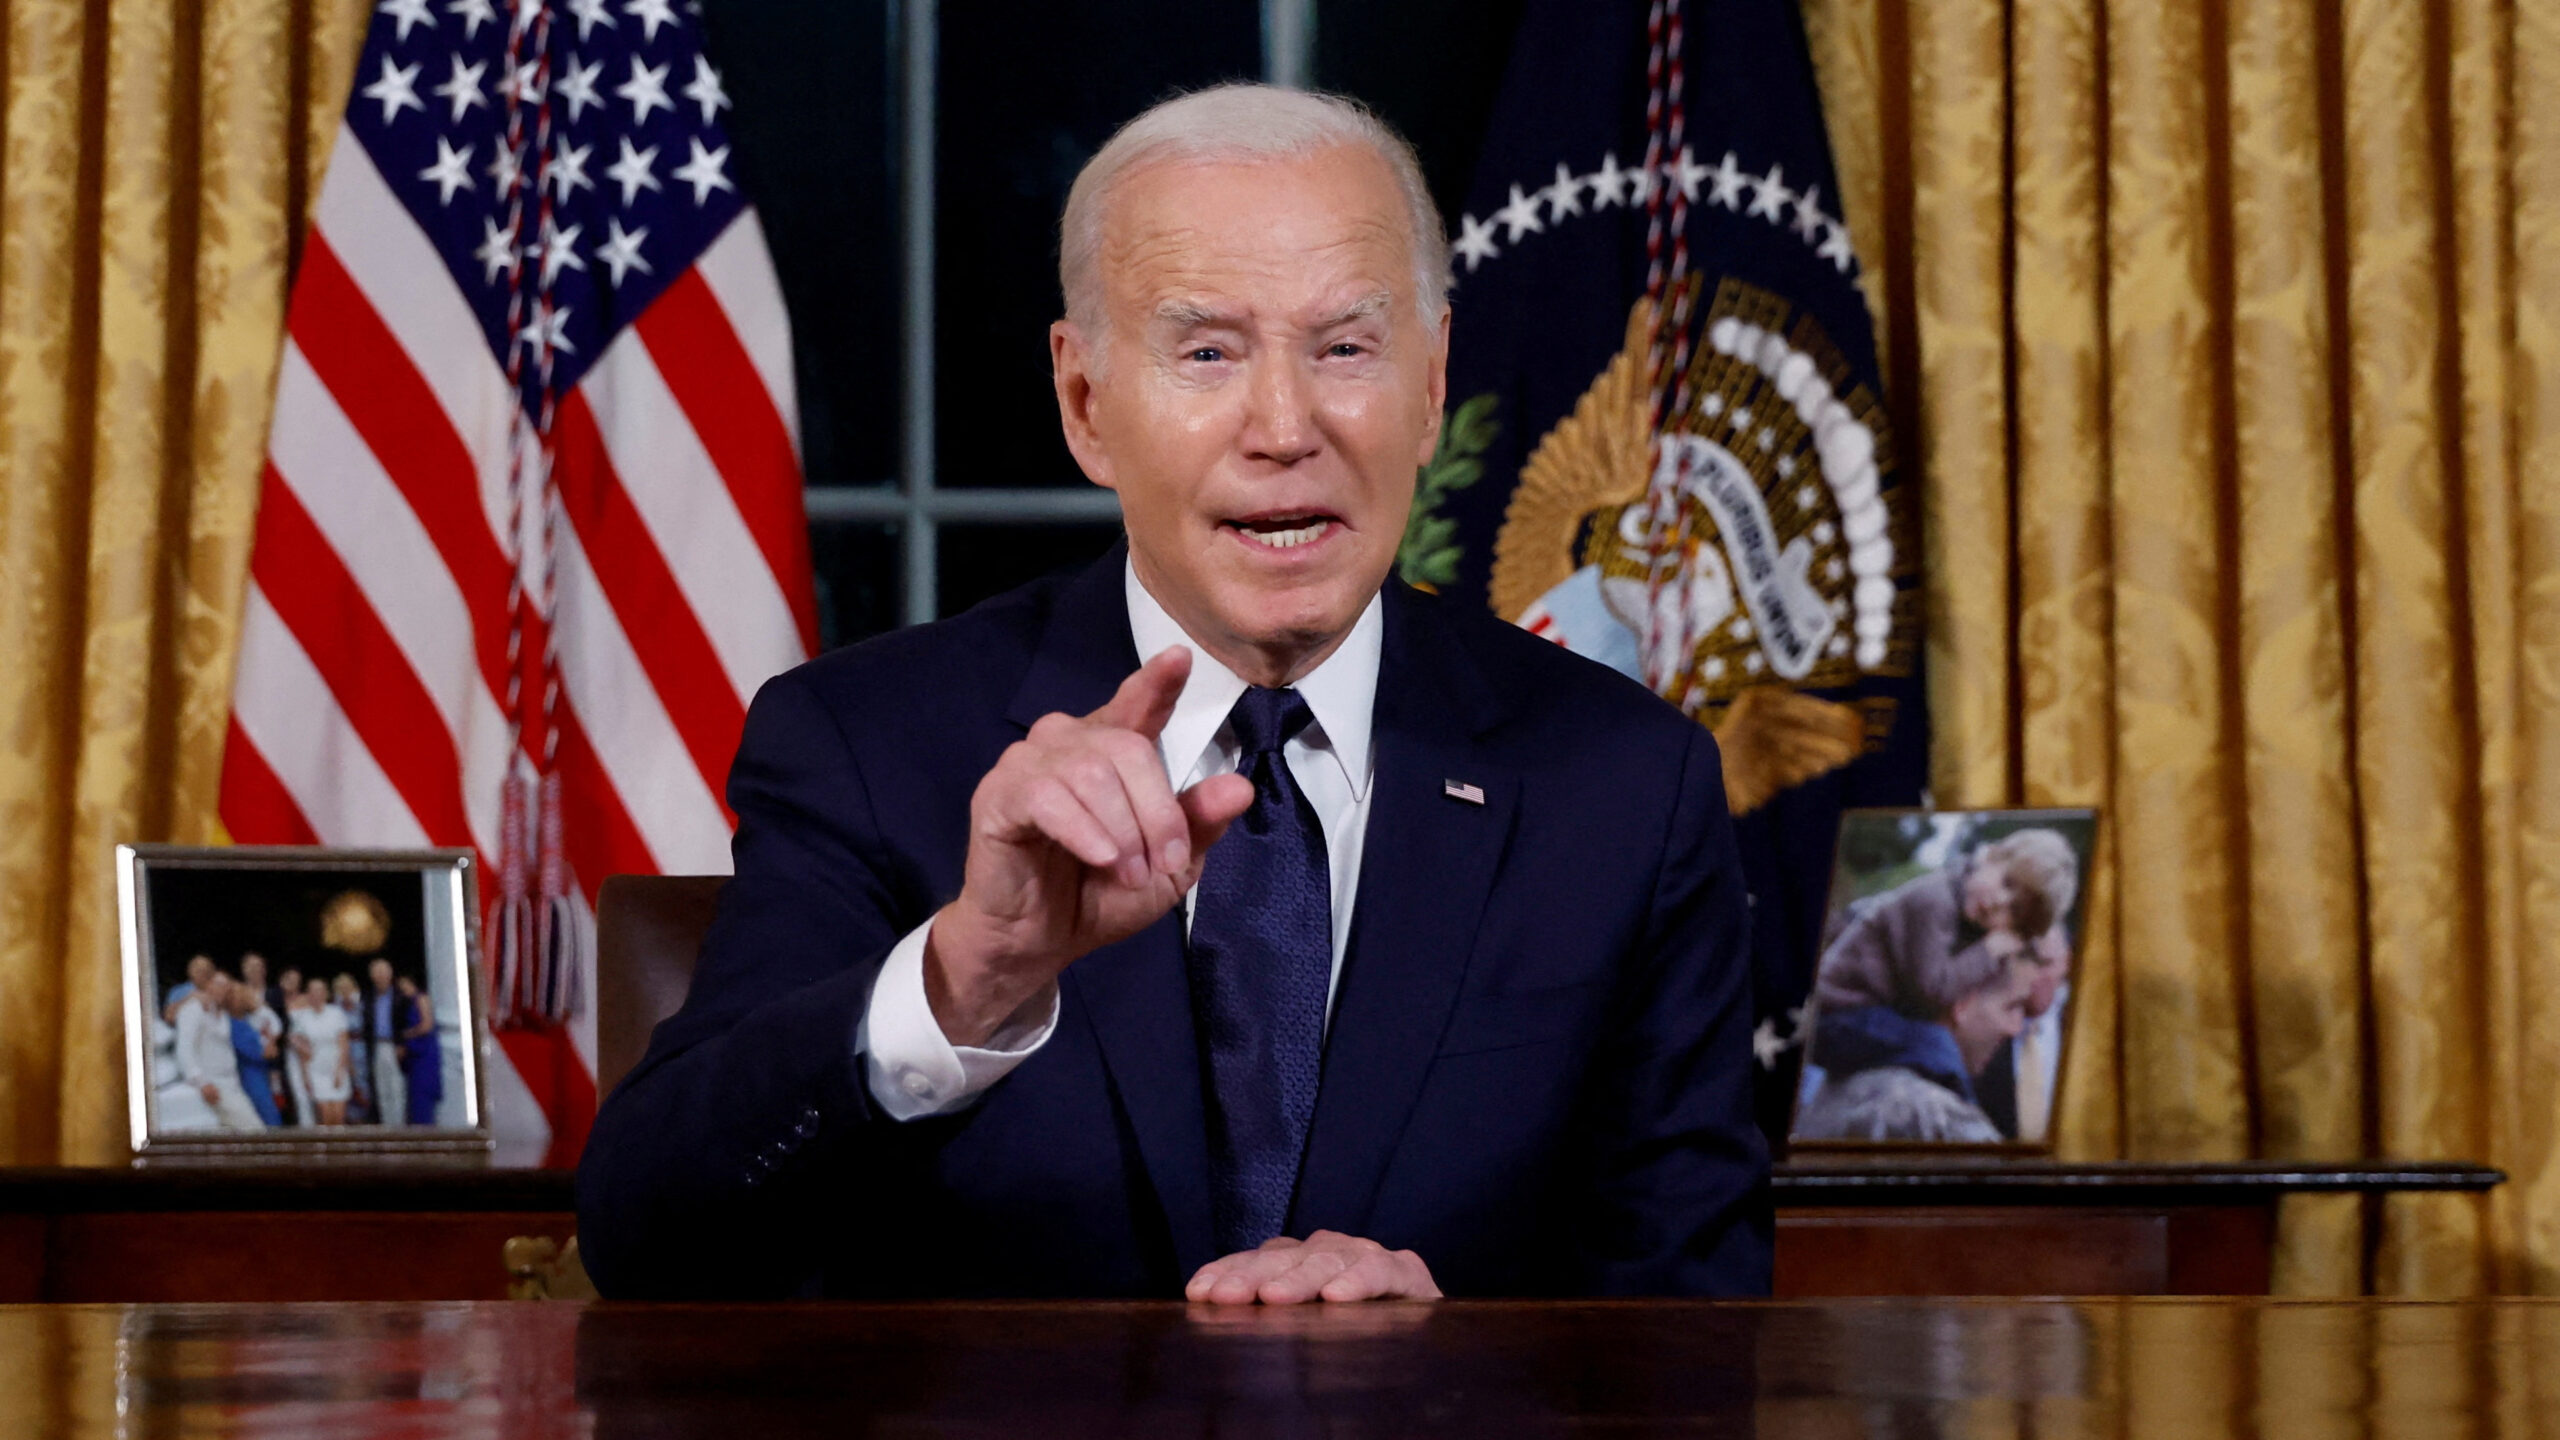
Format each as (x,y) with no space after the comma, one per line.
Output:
(1261,959)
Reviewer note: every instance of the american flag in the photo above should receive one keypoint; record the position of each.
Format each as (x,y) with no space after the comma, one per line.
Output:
(531,529)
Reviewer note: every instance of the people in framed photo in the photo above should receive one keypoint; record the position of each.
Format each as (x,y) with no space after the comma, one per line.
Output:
(293,997)
(1942,999)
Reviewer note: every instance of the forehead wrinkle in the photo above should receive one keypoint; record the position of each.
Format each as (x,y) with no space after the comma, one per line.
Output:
(1190,259)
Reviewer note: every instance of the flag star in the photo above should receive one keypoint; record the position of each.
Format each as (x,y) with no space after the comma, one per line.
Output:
(651,14)
(1835,246)
(523,83)
(1475,242)
(1521,215)
(1730,177)
(577,85)
(1712,406)
(526,13)
(704,90)
(555,336)
(1769,195)
(546,330)
(590,14)
(1766,1044)
(622,251)
(1564,197)
(473,14)
(1640,183)
(568,169)
(1608,183)
(506,169)
(451,172)
(1787,471)
(398,86)
(706,171)
(1809,216)
(1688,172)
(633,171)
(646,87)
(497,250)
(463,89)
(557,249)
(408,13)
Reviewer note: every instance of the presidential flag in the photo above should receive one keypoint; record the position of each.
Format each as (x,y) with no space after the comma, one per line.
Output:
(1668,447)
(531,529)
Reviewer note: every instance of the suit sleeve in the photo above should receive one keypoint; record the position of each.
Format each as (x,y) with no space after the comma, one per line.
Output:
(703,1174)
(1679,1198)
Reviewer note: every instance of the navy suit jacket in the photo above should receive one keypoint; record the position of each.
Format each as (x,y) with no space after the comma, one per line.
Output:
(1537,1073)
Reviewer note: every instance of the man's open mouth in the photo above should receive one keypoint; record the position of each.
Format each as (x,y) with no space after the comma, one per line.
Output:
(1284,532)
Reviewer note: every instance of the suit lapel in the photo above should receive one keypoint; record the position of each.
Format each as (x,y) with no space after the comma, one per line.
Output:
(1133,994)
(1427,867)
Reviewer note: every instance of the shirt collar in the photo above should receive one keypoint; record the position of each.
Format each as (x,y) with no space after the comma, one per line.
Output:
(1342,692)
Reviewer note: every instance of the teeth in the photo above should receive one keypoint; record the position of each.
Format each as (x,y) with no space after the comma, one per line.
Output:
(1290,539)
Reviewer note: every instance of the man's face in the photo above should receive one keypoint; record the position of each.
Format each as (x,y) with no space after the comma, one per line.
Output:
(380,970)
(1989,1016)
(2048,963)
(253,969)
(1262,395)
(200,971)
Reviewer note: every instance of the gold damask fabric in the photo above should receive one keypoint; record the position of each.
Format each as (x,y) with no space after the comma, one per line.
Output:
(156,160)
(2229,338)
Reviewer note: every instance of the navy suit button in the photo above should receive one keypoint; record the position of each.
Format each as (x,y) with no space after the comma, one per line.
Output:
(808,1126)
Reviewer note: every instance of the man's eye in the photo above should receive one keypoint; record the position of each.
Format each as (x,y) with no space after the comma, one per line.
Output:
(1344,349)
(1208,354)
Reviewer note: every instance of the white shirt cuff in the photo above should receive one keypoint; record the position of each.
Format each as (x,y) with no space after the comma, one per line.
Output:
(913,1069)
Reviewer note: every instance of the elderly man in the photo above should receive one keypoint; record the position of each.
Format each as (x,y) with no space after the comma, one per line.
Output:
(1225,921)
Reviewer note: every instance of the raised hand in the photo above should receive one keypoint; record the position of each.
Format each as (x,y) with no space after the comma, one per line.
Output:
(1076,840)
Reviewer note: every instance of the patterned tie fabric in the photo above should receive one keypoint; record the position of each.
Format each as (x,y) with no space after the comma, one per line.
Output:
(1261,958)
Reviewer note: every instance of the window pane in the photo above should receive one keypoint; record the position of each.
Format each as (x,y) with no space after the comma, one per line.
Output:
(1366,48)
(858,573)
(815,106)
(982,561)
(1029,90)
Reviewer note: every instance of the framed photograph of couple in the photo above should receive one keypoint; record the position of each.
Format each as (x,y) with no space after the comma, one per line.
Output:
(1942,1001)
(301,1001)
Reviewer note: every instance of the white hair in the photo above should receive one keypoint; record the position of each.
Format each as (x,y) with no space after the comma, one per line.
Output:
(1247,122)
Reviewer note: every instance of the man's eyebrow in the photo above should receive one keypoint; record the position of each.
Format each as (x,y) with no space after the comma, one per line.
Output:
(1367,307)
(1183,315)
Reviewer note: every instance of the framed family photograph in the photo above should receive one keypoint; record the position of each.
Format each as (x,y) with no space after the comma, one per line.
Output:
(301,1000)
(1942,1002)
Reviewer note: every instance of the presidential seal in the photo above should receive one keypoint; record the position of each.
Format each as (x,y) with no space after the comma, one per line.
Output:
(1754,555)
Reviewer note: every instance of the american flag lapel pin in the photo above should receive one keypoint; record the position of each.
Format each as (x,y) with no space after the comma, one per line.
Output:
(1461,790)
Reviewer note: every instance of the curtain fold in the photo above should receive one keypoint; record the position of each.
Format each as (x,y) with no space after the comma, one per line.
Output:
(2228,342)
(156,160)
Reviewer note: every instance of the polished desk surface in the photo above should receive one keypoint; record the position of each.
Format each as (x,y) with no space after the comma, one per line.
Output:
(2120,1369)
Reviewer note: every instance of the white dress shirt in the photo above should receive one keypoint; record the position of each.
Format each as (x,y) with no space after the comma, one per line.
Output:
(914,1070)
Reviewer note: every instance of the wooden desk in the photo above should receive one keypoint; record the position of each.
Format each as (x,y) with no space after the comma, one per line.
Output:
(2123,1370)
(1845,1227)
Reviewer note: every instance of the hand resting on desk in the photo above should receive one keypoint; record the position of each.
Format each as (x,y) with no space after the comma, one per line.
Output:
(1327,1265)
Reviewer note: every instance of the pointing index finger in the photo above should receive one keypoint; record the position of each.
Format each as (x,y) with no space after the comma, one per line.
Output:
(1146,699)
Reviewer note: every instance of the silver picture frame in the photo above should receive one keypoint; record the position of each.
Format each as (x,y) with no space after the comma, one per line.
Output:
(355,911)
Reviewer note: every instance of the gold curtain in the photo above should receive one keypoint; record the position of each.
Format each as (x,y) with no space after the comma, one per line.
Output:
(156,159)
(2226,334)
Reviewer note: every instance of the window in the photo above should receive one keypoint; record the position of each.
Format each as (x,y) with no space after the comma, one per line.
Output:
(909,159)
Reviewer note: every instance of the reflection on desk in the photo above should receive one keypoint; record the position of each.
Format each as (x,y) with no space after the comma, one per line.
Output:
(2120,1369)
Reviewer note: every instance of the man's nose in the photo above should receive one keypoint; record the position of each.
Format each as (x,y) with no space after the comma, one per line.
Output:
(1280,425)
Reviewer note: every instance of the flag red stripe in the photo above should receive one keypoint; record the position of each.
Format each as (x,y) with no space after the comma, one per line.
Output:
(550,1068)
(604,841)
(255,806)
(400,420)
(320,603)
(664,633)
(716,384)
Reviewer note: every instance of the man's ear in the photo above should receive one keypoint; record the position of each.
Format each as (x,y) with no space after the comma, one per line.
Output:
(1439,388)
(1071,374)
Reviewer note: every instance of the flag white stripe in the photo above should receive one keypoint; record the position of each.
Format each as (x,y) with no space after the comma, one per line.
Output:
(365,519)
(411,291)
(689,512)
(293,718)
(739,270)
(643,755)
